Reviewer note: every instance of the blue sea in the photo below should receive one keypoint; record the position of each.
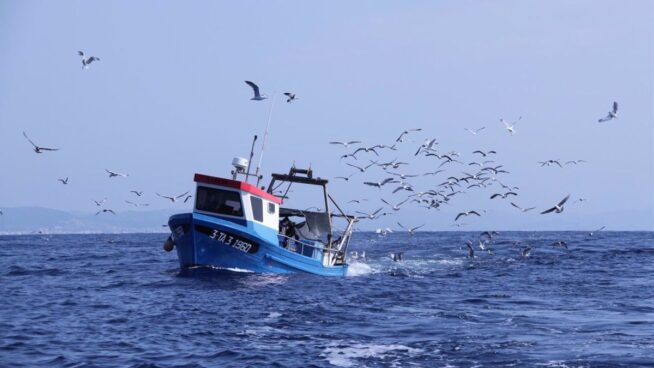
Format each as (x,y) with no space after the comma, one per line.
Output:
(120,301)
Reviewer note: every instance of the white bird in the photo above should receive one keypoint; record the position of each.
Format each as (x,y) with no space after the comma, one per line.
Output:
(105,210)
(476,131)
(510,127)
(87,61)
(400,139)
(522,209)
(575,162)
(596,231)
(38,149)
(345,144)
(467,213)
(64,181)
(114,174)
(503,195)
(99,203)
(558,208)
(138,193)
(613,114)
(380,184)
(257,95)
(471,250)
(362,169)
(173,198)
(395,207)
(137,204)
(383,232)
(371,216)
(526,251)
(290,97)
(412,230)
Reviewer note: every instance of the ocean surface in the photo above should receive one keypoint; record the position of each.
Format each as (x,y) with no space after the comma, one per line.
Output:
(120,301)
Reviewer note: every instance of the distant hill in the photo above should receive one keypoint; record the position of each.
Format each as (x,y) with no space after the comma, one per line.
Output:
(19,220)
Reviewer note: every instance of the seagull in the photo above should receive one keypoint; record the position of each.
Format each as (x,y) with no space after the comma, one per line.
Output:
(346,178)
(558,208)
(399,139)
(503,195)
(510,127)
(99,203)
(471,250)
(380,184)
(138,194)
(575,162)
(526,251)
(396,257)
(383,232)
(345,144)
(522,209)
(466,214)
(402,176)
(476,131)
(489,234)
(357,201)
(613,114)
(433,172)
(560,243)
(38,149)
(371,216)
(290,97)
(412,230)
(404,186)
(366,150)
(86,62)
(172,198)
(104,210)
(255,88)
(362,169)
(484,153)
(427,146)
(549,162)
(113,174)
(395,207)
(137,204)
(596,231)
(64,181)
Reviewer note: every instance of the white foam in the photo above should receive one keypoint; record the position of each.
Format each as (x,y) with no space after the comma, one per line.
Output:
(341,356)
(358,269)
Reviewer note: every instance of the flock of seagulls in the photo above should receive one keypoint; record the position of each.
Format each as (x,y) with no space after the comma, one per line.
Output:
(457,179)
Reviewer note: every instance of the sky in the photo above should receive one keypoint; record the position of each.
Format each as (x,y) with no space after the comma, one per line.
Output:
(168,99)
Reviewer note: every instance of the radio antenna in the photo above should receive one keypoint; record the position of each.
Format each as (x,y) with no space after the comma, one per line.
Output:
(247,173)
(265,136)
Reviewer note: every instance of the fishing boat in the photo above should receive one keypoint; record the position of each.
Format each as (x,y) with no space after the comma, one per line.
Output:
(240,227)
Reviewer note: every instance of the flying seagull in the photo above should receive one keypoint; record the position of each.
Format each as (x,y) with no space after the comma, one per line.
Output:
(114,174)
(522,209)
(466,214)
(63,181)
(575,162)
(138,193)
(549,162)
(510,127)
(471,250)
(255,88)
(38,149)
(596,231)
(526,251)
(379,184)
(345,144)
(99,203)
(105,210)
(172,198)
(87,61)
(558,208)
(137,204)
(613,114)
(395,207)
(503,195)
(371,216)
(412,230)
(290,97)
(476,131)
(400,139)
(362,169)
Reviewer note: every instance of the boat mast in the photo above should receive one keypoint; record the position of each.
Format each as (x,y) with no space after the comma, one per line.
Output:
(263,145)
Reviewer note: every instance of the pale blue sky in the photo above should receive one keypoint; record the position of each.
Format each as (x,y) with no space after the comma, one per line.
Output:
(167,98)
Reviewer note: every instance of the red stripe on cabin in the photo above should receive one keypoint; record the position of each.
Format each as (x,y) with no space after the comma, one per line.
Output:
(206,179)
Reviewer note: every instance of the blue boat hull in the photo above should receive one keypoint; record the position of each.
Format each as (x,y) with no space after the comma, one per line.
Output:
(203,240)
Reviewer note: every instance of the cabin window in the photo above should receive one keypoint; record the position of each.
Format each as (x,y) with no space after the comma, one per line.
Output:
(220,201)
(271,208)
(257,208)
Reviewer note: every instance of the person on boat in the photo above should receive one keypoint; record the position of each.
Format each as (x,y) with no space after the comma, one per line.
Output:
(287,228)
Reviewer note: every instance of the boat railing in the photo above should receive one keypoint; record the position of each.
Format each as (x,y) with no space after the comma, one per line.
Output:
(305,248)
